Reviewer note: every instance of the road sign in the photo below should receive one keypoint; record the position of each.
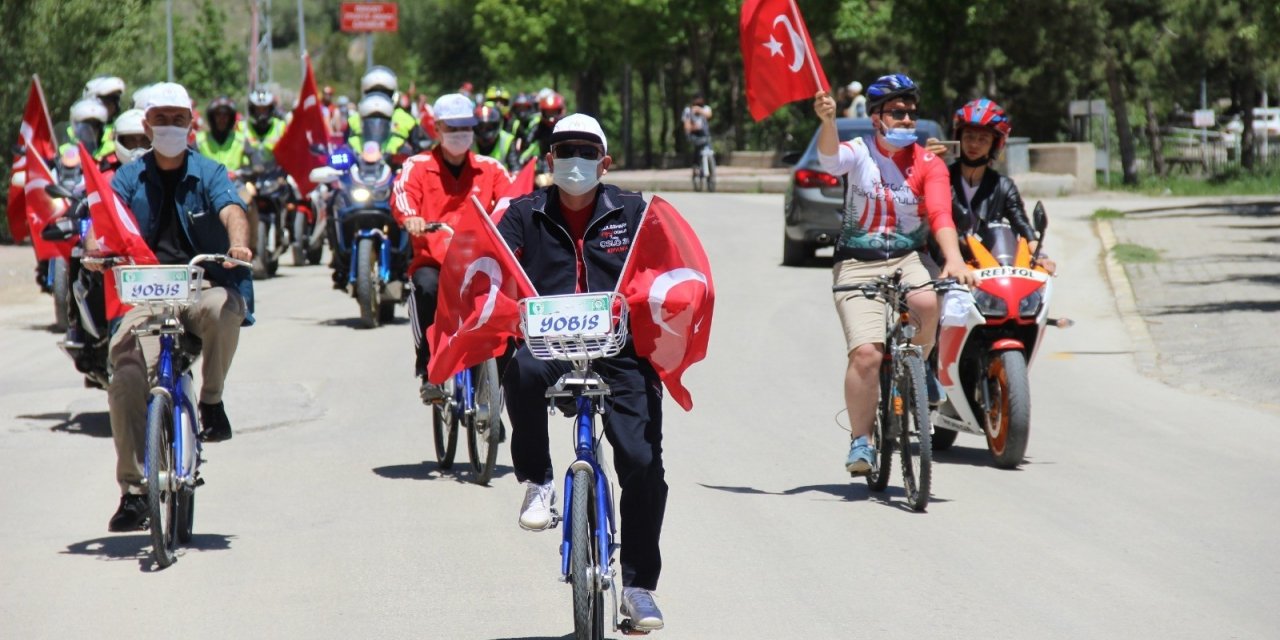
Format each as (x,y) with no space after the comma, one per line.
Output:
(362,17)
(1202,118)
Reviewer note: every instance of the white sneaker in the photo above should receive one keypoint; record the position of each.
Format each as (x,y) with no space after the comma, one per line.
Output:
(638,605)
(535,513)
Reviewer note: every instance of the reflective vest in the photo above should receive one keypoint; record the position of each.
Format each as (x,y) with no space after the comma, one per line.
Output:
(231,152)
(267,142)
(501,149)
(105,148)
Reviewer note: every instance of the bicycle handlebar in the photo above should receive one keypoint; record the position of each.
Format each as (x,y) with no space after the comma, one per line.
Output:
(218,257)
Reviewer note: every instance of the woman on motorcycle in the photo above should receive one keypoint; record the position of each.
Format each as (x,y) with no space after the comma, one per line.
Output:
(980,195)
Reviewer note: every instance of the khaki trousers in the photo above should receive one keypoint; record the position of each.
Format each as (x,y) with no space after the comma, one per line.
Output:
(215,318)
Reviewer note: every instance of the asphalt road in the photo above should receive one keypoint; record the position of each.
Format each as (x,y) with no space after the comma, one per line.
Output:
(1144,511)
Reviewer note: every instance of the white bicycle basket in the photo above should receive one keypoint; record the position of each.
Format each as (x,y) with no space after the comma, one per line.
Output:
(582,326)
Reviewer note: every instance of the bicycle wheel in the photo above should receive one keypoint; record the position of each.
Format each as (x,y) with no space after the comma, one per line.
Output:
(162,504)
(878,479)
(915,435)
(485,432)
(711,173)
(588,598)
(697,179)
(444,422)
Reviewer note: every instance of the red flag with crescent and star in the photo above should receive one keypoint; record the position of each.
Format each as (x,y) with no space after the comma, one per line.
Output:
(670,295)
(523,185)
(41,208)
(114,228)
(777,53)
(476,310)
(36,134)
(305,133)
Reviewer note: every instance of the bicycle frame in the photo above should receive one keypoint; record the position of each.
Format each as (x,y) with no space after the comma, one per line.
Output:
(585,442)
(173,384)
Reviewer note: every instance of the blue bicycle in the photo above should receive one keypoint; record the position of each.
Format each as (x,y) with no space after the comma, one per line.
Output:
(173,459)
(579,329)
(473,400)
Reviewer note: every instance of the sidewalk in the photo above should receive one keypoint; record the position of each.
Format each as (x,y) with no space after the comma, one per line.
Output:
(1209,303)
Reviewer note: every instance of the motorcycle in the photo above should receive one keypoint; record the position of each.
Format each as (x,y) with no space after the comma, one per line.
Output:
(306,231)
(271,195)
(370,249)
(55,275)
(988,340)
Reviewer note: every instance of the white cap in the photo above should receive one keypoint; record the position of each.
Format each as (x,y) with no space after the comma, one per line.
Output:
(855,86)
(130,123)
(455,110)
(376,104)
(579,126)
(166,94)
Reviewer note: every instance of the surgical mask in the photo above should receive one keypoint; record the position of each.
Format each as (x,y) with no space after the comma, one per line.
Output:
(169,142)
(576,176)
(458,142)
(901,138)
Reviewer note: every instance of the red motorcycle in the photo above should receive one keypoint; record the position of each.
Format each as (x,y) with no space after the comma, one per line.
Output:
(989,339)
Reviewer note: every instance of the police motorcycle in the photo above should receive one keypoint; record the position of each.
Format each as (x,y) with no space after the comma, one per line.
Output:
(57,274)
(988,340)
(370,249)
(271,195)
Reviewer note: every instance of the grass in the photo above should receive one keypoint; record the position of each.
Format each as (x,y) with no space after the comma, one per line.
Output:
(1233,181)
(1128,253)
(1107,214)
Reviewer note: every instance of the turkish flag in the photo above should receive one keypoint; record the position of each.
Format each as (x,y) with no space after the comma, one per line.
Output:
(114,227)
(480,286)
(36,133)
(306,131)
(667,284)
(777,54)
(523,185)
(42,208)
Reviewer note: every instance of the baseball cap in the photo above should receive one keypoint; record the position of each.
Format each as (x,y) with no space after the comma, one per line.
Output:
(166,94)
(579,126)
(455,110)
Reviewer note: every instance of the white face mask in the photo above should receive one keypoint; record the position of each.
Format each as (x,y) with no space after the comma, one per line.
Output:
(576,176)
(169,142)
(458,142)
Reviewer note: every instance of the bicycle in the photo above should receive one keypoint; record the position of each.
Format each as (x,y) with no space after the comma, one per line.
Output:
(704,167)
(902,413)
(173,453)
(579,329)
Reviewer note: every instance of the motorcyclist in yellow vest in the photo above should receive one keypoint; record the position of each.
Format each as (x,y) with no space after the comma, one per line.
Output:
(223,139)
(524,114)
(500,98)
(377,124)
(550,110)
(89,120)
(492,140)
(107,90)
(264,127)
(380,80)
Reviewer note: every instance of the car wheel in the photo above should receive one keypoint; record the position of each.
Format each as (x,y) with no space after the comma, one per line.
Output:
(794,252)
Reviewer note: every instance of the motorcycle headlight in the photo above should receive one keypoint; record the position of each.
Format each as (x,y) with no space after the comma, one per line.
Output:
(990,305)
(1030,305)
(361,194)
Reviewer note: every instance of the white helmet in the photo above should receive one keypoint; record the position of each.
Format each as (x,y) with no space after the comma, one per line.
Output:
(140,97)
(103,86)
(130,123)
(88,109)
(379,78)
(376,104)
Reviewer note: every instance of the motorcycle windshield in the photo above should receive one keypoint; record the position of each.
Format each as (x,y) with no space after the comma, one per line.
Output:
(1002,242)
(90,135)
(376,129)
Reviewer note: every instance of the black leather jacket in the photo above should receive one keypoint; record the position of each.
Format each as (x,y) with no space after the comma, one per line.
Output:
(996,198)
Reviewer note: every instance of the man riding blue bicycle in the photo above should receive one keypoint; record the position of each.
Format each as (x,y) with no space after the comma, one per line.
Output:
(184,205)
(574,237)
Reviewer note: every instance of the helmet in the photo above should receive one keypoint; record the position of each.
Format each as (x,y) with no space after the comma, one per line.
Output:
(983,114)
(140,97)
(221,102)
(490,123)
(129,130)
(86,109)
(130,123)
(495,93)
(103,86)
(262,105)
(891,87)
(379,79)
(552,104)
(376,104)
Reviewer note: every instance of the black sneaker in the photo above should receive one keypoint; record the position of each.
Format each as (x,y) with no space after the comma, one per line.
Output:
(216,426)
(131,515)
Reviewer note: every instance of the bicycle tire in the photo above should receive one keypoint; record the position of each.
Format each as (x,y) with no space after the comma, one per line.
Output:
(915,435)
(484,436)
(878,479)
(697,180)
(444,427)
(161,502)
(186,514)
(711,173)
(588,598)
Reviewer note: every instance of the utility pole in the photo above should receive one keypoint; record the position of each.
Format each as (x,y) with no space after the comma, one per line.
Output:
(168,27)
(302,30)
(260,53)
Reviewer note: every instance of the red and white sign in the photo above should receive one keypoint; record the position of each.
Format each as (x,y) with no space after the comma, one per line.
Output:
(370,16)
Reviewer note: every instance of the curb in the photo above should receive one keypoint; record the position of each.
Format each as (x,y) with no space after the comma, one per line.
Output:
(724,185)
(1145,355)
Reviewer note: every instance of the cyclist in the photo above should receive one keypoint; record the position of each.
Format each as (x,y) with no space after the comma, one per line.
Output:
(183,205)
(264,127)
(897,193)
(695,118)
(980,194)
(492,140)
(223,140)
(437,186)
(556,235)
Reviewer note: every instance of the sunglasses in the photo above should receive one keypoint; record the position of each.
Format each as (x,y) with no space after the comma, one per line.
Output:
(901,114)
(584,151)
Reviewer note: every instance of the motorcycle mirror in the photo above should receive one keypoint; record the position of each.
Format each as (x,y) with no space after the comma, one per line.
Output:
(1040,218)
(57,191)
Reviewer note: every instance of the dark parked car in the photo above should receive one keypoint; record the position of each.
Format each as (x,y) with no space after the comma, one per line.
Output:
(815,199)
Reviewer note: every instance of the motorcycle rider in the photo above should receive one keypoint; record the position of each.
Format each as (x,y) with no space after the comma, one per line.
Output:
(906,187)
(555,234)
(437,186)
(377,124)
(492,140)
(550,110)
(524,112)
(107,90)
(980,194)
(89,118)
(383,81)
(131,137)
(264,127)
(224,140)
(183,205)
(499,97)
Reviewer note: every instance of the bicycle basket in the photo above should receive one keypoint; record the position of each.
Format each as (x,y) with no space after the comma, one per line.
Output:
(574,327)
(158,285)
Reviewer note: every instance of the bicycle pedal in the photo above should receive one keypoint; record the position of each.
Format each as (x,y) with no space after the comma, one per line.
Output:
(199,482)
(555,519)
(628,628)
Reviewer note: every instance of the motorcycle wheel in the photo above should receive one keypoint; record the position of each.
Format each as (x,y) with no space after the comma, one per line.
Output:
(367,283)
(1008,419)
(299,241)
(61,293)
(262,254)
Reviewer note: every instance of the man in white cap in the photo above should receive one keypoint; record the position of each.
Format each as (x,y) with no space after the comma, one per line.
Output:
(857,101)
(183,205)
(574,237)
(436,186)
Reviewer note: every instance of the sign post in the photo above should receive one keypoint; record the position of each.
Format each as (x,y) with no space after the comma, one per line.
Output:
(367,18)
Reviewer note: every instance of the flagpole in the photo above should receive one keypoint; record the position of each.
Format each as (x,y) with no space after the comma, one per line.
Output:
(44,106)
(813,54)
